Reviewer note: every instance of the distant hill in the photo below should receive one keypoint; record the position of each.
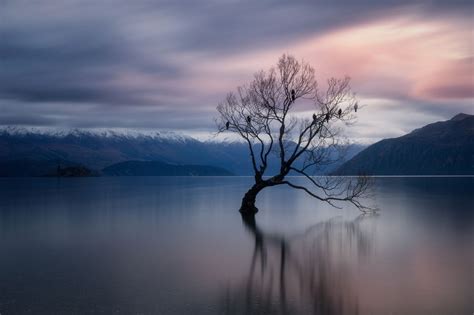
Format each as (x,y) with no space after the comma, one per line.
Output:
(41,168)
(74,171)
(155,168)
(27,167)
(96,150)
(441,148)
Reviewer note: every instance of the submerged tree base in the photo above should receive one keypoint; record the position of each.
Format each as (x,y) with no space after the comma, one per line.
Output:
(248,210)
(248,202)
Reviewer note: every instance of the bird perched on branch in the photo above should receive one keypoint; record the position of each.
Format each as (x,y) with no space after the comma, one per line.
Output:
(327,117)
(293,95)
(356,106)
(249,119)
(339,112)
(314,116)
(227,124)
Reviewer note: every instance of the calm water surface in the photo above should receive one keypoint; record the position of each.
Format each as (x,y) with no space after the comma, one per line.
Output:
(179,246)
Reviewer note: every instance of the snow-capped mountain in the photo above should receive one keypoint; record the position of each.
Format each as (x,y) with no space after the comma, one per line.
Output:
(99,148)
(37,148)
(97,132)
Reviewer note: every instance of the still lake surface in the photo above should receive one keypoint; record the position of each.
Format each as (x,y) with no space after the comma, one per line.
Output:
(154,245)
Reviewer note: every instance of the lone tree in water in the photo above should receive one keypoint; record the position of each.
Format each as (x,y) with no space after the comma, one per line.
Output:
(268,114)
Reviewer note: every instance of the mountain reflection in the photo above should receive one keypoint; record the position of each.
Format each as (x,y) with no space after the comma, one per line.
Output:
(307,273)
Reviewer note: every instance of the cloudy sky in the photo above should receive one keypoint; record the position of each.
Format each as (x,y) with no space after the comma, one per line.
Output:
(166,64)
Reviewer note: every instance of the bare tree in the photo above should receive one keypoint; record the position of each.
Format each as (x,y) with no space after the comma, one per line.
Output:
(265,114)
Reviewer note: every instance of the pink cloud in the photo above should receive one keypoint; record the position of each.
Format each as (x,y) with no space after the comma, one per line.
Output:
(452,81)
(401,57)
(396,58)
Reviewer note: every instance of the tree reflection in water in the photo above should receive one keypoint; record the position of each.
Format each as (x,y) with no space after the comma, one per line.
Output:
(308,273)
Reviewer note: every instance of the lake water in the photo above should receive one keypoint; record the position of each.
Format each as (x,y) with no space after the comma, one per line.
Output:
(179,246)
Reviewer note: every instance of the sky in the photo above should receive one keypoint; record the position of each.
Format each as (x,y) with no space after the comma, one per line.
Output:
(166,64)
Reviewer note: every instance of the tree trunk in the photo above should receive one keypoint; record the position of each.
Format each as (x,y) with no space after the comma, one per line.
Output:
(248,207)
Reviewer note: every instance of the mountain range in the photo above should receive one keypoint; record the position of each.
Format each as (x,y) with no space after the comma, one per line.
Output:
(34,152)
(441,148)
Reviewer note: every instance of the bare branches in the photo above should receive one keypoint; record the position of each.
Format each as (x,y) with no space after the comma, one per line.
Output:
(338,189)
(265,114)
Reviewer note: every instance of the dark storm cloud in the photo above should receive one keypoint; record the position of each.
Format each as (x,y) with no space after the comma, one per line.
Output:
(129,63)
(25,120)
(59,114)
(67,58)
